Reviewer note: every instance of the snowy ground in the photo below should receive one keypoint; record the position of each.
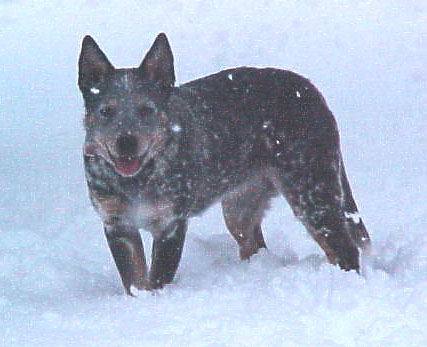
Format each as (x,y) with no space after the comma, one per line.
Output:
(58,284)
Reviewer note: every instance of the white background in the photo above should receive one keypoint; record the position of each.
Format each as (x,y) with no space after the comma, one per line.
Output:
(58,283)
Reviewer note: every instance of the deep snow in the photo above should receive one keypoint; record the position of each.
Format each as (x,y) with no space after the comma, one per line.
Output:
(58,284)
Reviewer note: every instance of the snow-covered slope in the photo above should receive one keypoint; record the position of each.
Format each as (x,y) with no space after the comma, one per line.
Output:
(58,284)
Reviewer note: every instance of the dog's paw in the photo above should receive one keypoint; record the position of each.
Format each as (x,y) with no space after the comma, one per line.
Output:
(345,251)
(340,250)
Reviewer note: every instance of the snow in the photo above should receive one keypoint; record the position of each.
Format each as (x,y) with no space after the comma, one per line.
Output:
(58,282)
(265,125)
(94,90)
(355,217)
(176,128)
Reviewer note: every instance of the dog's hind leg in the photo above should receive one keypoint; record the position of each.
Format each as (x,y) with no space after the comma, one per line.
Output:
(312,184)
(166,253)
(243,211)
(126,247)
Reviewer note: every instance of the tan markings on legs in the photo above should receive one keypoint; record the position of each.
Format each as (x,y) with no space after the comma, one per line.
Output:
(110,208)
(137,265)
(243,211)
(322,242)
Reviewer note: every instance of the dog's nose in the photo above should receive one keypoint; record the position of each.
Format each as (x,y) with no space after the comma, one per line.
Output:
(127,145)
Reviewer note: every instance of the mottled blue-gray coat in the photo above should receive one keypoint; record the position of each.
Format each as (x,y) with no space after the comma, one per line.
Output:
(156,155)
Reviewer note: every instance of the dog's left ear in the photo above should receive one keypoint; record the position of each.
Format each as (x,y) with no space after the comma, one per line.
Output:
(157,65)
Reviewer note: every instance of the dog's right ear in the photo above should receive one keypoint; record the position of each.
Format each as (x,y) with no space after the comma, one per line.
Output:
(94,67)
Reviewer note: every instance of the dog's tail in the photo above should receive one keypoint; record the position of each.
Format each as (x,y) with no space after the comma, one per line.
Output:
(355,224)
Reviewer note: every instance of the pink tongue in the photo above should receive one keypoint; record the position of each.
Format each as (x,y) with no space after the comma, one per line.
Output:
(127,167)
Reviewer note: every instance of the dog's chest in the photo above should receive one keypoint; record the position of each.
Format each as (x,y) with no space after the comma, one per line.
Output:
(153,217)
(151,202)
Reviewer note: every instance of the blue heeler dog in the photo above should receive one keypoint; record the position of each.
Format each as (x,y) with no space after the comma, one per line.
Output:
(156,155)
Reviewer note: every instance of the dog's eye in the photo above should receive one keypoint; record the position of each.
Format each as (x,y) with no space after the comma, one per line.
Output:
(108,112)
(145,111)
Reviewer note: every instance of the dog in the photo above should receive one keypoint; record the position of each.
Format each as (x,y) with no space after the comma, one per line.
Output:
(156,155)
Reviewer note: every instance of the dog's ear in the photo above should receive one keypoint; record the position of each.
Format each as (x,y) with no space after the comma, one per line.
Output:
(157,65)
(94,66)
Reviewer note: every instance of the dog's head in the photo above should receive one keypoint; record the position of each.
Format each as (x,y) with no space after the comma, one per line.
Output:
(126,119)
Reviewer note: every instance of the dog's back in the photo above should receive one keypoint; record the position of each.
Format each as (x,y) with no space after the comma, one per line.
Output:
(253,118)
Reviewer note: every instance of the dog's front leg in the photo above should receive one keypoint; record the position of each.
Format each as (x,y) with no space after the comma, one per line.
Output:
(126,247)
(166,254)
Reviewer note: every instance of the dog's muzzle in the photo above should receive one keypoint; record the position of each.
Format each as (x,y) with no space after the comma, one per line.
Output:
(127,157)
(126,153)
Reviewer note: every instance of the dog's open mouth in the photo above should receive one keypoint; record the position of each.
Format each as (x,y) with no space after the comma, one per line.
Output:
(124,165)
(128,165)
